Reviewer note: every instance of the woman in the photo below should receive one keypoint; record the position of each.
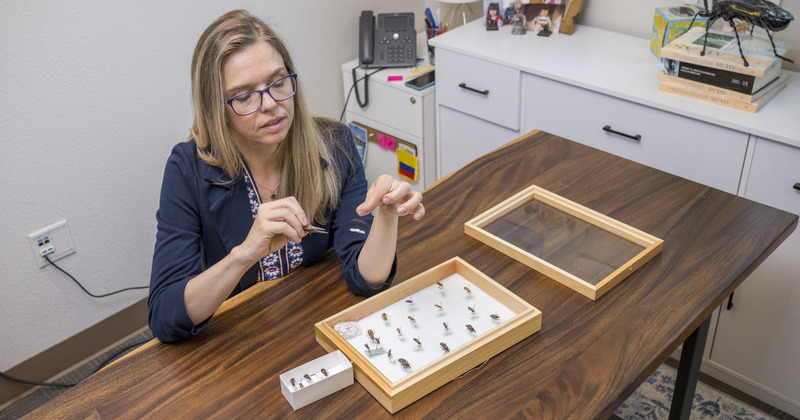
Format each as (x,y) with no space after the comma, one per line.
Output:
(239,198)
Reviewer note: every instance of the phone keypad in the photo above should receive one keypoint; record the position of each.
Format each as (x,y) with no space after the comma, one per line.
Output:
(398,48)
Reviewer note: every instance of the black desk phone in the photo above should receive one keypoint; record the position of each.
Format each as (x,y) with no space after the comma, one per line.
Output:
(393,43)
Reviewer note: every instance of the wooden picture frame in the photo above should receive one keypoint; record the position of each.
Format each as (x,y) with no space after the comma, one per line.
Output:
(419,381)
(576,246)
(568,20)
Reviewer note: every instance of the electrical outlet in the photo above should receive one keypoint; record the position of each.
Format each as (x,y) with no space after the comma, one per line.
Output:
(55,241)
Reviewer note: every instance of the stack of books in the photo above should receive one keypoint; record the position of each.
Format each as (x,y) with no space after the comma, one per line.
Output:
(720,75)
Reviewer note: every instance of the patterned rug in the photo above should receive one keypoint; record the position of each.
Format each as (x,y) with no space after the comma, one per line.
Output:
(653,398)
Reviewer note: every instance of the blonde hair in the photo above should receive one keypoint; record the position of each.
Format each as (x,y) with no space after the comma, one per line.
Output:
(303,175)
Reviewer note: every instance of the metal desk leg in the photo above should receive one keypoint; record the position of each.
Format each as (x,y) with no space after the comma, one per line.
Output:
(688,372)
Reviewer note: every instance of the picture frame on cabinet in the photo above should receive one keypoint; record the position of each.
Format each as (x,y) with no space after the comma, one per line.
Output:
(571,9)
(543,19)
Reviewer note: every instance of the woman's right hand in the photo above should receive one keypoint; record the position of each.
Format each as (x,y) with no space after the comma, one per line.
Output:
(276,224)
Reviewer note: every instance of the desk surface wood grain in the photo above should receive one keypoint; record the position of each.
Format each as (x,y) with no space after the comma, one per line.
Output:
(587,359)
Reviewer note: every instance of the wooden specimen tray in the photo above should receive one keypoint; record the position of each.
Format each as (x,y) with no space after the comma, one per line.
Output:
(576,246)
(500,319)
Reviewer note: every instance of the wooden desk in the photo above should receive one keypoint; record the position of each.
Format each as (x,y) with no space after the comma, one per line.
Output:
(587,359)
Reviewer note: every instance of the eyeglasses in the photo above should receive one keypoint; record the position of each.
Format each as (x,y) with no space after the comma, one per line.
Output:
(249,102)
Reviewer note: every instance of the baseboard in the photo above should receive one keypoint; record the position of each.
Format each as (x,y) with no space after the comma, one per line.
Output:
(74,351)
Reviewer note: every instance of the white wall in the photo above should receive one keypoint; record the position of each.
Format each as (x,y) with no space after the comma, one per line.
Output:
(94,96)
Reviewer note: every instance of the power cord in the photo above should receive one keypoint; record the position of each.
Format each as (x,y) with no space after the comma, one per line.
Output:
(84,289)
(69,384)
(354,86)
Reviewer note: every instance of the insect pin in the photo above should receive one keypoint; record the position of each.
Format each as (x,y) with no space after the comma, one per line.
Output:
(404,363)
(324,372)
(470,329)
(416,340)
(384,316)
(445,348)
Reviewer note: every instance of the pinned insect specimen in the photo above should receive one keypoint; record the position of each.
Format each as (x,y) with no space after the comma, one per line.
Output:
(470,329)
(441,286)
(445,348)
(411,318)
(371,334)
(471,309)
(324,372)
(468,290)
(404,363)
(293,382)
(389,354)
(307,377)
(445,326)
(399,333)
(416,340)
(367,346)
(384,316)
(377,341)
(495,316)
(410,301)
(301,384)
(439,307)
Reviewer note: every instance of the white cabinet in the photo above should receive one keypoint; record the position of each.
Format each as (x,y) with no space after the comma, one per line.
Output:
(393,109)
(600,88)
(756,340)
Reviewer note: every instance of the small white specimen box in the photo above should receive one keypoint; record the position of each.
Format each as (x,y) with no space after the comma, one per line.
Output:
(316,379)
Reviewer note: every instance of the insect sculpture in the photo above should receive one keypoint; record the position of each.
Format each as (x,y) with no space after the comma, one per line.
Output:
(761,13)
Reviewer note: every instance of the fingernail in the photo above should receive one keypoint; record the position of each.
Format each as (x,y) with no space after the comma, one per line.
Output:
(418,215)
(401,210)
(305,220)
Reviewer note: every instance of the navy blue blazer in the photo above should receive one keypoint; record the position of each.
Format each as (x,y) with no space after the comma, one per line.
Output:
(202,215)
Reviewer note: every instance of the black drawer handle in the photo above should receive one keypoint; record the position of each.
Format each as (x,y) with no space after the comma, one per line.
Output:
(482,92)
(636,137)
(797,186)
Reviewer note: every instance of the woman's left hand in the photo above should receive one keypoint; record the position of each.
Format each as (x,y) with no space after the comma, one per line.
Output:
(396,196)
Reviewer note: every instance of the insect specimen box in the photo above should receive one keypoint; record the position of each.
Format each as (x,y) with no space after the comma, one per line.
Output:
(427,330)
(579,247)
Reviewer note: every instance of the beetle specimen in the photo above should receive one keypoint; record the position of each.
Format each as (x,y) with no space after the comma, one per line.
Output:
(439,307)
(470,329)
(410,301)
(416,340)
(495,316)
(468,290)
(404,363)
(444,347)
(307,377)
(293,382)
(389,354)
(471,309)
(371,335)
(324,372)
(445,325)
(377,341)
(411,318)
(367,346)
(384,316)
(301,384)
(761,13)
(441,286)
(398,332)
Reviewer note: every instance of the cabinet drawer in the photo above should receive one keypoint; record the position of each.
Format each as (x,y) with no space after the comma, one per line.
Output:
(477,87)
(464,138)
(393,105)
(774,173)
(702,152)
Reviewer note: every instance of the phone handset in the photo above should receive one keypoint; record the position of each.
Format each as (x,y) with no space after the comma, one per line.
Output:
(366,37)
